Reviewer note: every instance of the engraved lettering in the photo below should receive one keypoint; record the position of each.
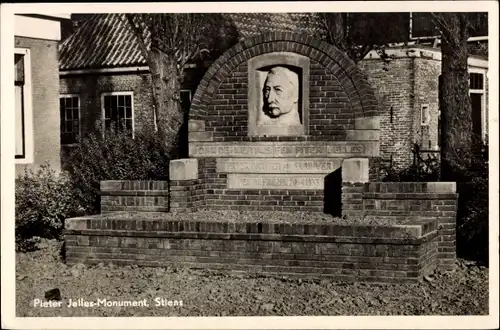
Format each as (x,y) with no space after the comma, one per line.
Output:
(281,149)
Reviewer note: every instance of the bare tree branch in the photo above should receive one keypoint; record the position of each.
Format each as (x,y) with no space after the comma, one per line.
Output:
(131,18)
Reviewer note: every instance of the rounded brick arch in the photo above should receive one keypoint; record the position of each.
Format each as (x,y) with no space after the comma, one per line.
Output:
(362,98)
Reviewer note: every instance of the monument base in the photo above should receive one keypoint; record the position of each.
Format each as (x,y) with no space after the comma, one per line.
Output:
(388,253)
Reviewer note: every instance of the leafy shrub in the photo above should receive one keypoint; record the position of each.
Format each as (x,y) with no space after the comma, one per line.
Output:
(116,156)
(43,200)
(473,200)
(472,188)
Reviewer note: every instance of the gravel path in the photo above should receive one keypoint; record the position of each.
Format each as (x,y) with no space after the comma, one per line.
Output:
(207,293)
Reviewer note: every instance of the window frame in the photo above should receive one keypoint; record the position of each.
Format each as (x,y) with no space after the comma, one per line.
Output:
(126,93)
(482,91)
(27,111)
(61,96)
(425,108)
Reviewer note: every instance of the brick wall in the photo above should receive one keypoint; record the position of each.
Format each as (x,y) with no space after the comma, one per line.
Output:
(339,94)
(405,84)
(45,102)
(90,86)
(420,237)
(347,86)
(330,112)
(427,72)
(424,200)
(135,196)
(343,252)
(393,85)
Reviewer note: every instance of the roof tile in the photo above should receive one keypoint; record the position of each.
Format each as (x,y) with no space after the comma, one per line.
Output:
(107,41)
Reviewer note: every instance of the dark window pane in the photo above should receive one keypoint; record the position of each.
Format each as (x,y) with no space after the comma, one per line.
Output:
(114,115)
(107,102)
(476,80)
(69,114)
(118,112)
(121,112)
(476,103)
(114,102)
(19,68)
(67,101)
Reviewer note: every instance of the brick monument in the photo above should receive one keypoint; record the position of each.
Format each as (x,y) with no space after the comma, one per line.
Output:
(280,122)
(273,118)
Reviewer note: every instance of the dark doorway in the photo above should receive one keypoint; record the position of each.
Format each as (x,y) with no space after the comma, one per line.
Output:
(332,203)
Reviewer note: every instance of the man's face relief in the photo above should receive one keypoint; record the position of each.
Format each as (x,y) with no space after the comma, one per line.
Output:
(280,95)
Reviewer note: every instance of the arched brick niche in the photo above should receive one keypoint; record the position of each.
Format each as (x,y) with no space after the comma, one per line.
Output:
(298,167)
(338,91)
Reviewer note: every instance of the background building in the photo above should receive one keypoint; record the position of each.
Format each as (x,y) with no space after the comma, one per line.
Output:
(37,131)
(104,76)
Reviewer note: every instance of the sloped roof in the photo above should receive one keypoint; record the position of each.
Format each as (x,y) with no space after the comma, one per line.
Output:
(104,41)
(107,41)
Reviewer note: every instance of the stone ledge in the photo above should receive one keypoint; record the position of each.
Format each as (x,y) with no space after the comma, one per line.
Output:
(138,193)
(196,125)
(355,170)
(404,196)
(136,185)
(200,136)
(416,228)
(411,187)
(183,169)
(107,209)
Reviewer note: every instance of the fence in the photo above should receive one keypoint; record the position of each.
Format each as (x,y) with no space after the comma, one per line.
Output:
(426,161)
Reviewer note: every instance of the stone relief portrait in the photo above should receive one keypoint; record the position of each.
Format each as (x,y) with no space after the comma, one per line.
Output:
(280,96)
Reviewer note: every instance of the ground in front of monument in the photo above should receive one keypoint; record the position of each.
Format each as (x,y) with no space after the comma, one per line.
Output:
(191,292)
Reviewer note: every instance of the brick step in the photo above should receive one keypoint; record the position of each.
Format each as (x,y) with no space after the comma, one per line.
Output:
(341,275)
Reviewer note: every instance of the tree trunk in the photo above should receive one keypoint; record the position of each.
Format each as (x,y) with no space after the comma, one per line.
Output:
(456,112)
(169,116)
